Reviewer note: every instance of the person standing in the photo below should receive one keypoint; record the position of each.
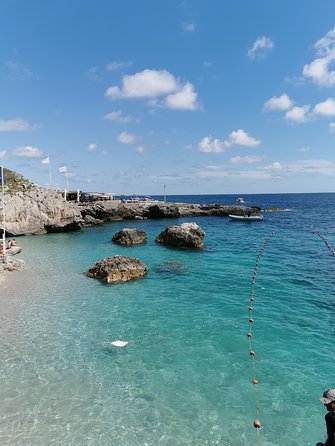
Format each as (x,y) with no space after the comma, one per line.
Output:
(328,400)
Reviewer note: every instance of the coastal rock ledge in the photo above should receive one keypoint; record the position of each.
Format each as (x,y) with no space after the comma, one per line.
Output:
(130,236)
(118,269)
(186,235)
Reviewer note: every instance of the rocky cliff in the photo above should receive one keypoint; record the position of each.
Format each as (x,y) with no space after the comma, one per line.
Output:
(31,209)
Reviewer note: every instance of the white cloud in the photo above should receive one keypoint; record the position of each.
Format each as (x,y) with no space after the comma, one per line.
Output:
(298,114)
(320,70)
(304,149)
(28,152)
(332,127)
(3,154)
(260,47)
(153,84)
(213,145)
(127,138)
(185,99)
(189,27)
(91,147)
(246,159)
(237,137)
(15,125)
(326,108)
(117,116)
(114,66)
(240,137)
(282,102)
(145,84)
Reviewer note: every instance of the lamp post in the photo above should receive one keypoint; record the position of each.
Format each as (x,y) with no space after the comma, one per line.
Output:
(164,194)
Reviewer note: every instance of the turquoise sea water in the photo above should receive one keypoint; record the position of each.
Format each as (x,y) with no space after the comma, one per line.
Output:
(185,376)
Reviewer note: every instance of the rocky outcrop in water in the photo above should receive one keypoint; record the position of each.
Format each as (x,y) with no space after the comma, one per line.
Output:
(186,235)
(130,236)
(118,269)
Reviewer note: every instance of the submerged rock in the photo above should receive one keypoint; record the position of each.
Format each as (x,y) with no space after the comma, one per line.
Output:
(186,235)
(171,268)
(118,269)
(129,236)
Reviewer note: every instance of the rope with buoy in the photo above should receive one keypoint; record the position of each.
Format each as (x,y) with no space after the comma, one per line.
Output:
(257,423)
(325,242)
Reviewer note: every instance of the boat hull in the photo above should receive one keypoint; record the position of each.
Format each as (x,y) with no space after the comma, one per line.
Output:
(246,218)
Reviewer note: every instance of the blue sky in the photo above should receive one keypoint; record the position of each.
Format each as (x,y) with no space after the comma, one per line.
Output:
(202,96)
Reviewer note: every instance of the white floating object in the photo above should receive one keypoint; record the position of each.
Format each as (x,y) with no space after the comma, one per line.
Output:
(119,343)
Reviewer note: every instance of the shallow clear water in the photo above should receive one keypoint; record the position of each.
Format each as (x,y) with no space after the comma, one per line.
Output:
(185,376)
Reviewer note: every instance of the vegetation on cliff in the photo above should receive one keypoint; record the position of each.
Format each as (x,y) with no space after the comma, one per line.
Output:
(14,182)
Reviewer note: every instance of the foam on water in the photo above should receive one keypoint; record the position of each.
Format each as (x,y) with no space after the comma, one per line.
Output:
(184,377)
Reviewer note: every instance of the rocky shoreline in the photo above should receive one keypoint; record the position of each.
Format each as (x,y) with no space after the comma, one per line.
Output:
(41,211)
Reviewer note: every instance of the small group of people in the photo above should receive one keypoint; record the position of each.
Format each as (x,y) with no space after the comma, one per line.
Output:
(10,244)
(328,400)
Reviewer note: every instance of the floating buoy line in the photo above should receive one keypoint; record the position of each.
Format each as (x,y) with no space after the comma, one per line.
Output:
(254,381)
(325,242)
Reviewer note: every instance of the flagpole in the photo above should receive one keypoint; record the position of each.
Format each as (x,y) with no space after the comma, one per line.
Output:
(4,217)
(49,175)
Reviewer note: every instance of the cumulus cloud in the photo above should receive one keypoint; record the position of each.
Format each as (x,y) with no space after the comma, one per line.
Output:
(15,125)
(282,102)
(260,47)
(326,108)
(237,137)
(246,159)
(117,116)
(91,147)
(145,84)
(154,84)
(127,138)
(185,99)
(241,138)
(320,69)
(213,145)
(28,152)
(298,114)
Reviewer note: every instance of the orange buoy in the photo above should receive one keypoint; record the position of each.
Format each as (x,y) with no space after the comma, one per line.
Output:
(257,424)
(252,353)
(255,381)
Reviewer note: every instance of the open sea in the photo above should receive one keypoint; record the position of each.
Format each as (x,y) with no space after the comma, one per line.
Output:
(185,376)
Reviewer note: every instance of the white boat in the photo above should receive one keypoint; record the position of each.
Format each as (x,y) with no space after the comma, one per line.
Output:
(258,217)
(239,200)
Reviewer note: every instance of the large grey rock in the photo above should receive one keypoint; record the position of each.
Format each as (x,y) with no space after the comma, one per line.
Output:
(186,235)
(38,211)
(130,236)
(162,210)
(118,269)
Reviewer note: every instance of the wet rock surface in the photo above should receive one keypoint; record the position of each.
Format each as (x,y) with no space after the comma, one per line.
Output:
(118,269)
(130,236)
(186,235)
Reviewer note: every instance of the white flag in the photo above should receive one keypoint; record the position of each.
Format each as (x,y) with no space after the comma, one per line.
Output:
(62,169)
(46,160)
